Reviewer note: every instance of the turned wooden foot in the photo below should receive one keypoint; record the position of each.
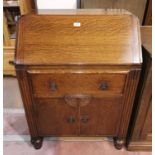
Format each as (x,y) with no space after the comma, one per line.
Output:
(118,143)
(37,142)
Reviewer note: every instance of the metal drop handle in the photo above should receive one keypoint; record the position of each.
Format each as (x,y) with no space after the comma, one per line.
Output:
(85,119)
(53,86)
(103,86)
(70,119)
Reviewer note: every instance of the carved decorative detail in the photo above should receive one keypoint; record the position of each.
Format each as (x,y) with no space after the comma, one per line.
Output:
(77,100)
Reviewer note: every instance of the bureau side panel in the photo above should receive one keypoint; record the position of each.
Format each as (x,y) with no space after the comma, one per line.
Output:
(27,101)
(128,99)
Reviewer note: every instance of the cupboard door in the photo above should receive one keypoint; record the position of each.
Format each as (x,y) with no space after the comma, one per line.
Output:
(100,117)
(55,117)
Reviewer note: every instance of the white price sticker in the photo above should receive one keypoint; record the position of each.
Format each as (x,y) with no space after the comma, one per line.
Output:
(76,24)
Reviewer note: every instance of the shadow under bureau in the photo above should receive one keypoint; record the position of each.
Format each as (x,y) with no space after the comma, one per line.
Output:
(78,72)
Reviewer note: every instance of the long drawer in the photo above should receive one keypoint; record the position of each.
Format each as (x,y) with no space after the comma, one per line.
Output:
(60,84)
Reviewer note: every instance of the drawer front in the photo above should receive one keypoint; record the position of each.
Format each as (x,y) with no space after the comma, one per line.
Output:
(57,85)
(96,117)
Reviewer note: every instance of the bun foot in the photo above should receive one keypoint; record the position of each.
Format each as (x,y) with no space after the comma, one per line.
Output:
(37,142)
(118,143)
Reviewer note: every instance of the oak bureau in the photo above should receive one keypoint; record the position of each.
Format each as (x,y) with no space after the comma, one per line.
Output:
(78,72)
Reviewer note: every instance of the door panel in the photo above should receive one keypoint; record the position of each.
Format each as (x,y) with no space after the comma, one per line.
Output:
(55,117)
(100,117)
(96,116)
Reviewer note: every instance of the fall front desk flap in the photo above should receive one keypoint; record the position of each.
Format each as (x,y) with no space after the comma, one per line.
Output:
(78,37)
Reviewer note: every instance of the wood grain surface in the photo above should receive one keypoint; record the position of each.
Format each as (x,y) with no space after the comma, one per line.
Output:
(58,123)
(78,78)
(146,34)
(137,7)
(101,39)
(77,83)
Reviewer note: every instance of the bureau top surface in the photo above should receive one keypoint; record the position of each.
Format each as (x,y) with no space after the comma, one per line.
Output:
(96,38)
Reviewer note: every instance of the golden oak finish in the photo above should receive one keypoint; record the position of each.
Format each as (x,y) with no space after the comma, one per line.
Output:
(54,126)
(58,120)
(78,73)
(69,83)
(146,34)
(109,40)
(98,111)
